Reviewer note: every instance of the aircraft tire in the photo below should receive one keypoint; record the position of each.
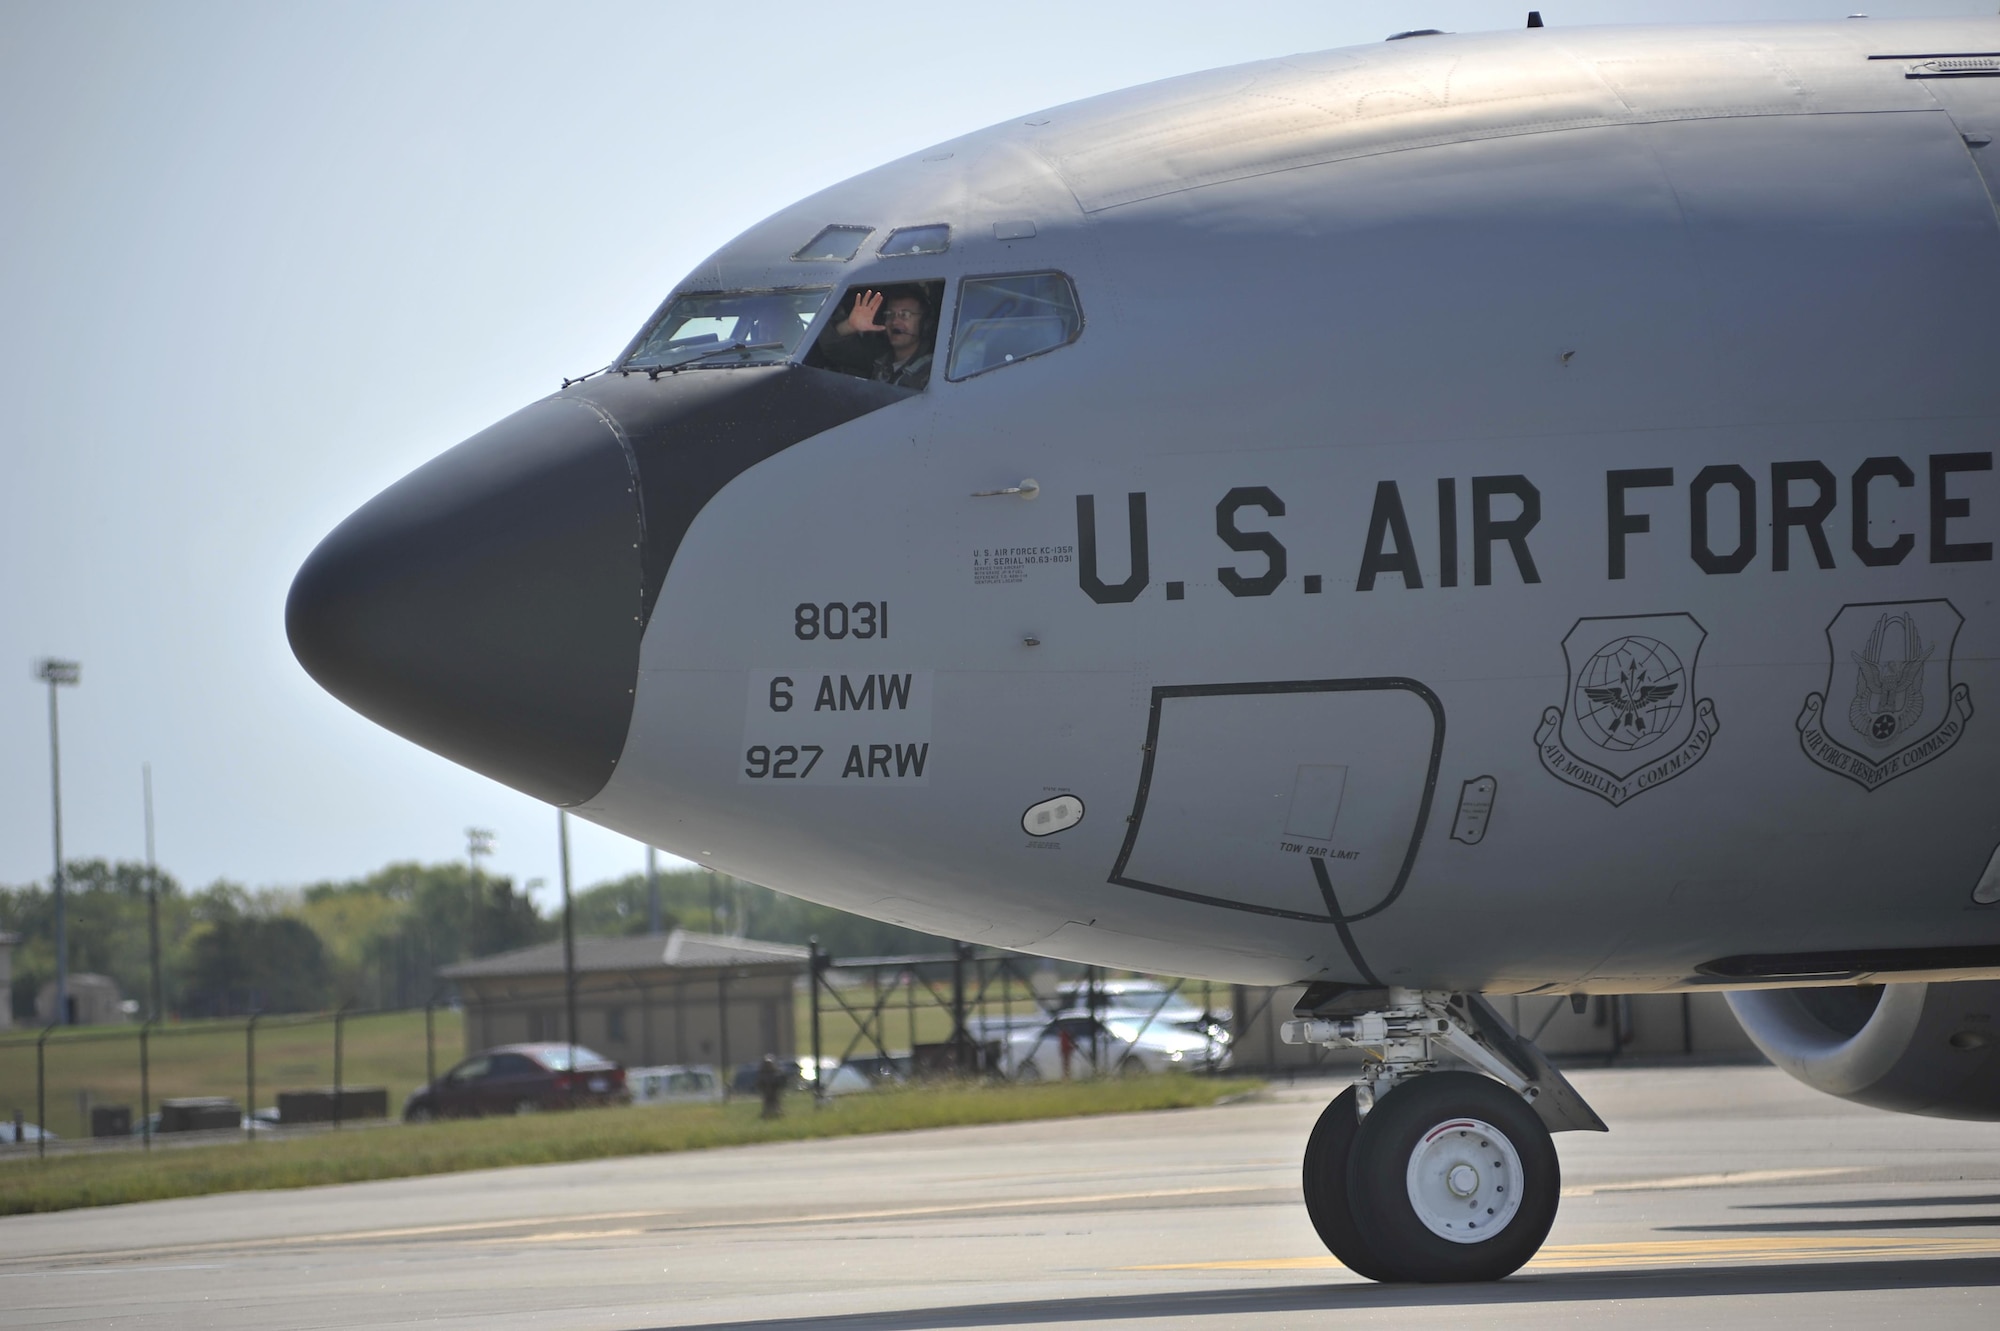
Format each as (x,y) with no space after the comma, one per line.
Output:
(1457,1178)
(1325,1185)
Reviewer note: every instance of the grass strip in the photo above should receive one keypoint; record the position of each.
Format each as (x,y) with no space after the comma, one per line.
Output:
(64,1182)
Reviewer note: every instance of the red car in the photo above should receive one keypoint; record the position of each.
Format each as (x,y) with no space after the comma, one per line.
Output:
(519,1079)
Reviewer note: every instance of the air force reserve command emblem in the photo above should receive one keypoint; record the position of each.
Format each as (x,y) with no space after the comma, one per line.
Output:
(1633,720)
(1890,705)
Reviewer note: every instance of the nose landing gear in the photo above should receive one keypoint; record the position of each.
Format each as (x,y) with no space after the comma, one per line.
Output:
(1413,1174)
(1328,1151)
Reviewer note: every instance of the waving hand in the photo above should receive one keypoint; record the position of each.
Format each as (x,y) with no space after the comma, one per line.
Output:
(862,318)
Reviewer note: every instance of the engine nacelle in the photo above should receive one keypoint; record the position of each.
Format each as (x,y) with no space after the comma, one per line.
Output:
(1912,1048)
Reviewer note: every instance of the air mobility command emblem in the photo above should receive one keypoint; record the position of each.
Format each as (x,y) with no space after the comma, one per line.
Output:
(1632,720)
(1890,705)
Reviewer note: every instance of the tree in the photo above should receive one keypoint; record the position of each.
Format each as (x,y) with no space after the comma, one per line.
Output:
(620,907)
(29,914)
(376,941)
(716,903)
(238,963)
(391,931)
(105,915)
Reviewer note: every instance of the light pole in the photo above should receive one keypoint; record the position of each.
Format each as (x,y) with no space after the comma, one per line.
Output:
(478,841)
(478,844)
(569,949)
(56,674)
(652,891)
(152,897)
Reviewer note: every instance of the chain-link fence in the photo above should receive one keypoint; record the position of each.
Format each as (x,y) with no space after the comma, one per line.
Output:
(118,1085)
(971,1012)
(860,1022)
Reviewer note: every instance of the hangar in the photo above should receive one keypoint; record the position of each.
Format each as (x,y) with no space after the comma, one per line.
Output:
(654,998)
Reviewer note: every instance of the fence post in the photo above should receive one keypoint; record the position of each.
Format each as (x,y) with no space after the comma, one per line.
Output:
(41,1093)
(959,1038)
(728,1073)
(145,1085)
(1006,1017)
(814,962)
(339,1015)
(430,1043)
(982,971)
(250,1076)
(1095,1006)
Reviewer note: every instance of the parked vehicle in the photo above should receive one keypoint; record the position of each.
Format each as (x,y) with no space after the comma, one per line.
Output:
(854,1075)
(28,1133)
(880,1070)
(1080,1044)
(673,1084)
(841,1078)
(519,1079)
(264,1119)
(1176,1006)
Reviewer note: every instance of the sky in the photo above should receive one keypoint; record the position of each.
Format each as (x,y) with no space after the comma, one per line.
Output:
(257,261)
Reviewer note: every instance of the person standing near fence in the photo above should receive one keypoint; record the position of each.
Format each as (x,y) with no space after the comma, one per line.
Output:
(771,1082)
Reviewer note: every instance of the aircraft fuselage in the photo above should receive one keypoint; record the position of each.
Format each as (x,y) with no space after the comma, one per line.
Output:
(1519,513)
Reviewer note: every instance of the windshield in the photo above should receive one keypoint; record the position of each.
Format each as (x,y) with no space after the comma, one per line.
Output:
(728,328)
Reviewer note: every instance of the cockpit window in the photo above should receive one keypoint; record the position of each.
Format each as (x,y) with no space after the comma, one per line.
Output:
(884,333)
(836,244)
(917,240)
(1005,319)
(728,328)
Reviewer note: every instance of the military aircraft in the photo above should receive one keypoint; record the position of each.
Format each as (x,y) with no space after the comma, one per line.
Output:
(1488,514)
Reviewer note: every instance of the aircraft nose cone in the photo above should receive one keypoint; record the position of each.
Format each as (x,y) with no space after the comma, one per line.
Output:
(488,605)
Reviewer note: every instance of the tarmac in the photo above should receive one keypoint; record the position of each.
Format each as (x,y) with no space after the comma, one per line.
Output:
(1722,1196)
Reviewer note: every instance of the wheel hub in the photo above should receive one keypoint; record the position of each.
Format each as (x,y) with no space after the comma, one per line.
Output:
(1464,1180)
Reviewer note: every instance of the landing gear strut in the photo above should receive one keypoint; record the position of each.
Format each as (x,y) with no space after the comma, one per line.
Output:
(1413,1174)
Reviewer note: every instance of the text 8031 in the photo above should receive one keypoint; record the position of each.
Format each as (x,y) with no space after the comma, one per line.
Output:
(840,619)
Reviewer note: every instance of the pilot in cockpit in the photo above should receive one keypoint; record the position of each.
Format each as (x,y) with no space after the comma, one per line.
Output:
(887,336)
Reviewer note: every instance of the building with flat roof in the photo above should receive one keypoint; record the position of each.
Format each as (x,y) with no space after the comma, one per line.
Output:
(94,1000)
(643,1000)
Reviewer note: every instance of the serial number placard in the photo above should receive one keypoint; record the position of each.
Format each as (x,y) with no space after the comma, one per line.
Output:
(833,727)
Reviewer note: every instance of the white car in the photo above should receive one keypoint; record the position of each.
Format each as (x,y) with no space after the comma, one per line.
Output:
(1149,998)
(673,1085)
(28,1132)
(1077,1044)
(841,1078)
(1131,996)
